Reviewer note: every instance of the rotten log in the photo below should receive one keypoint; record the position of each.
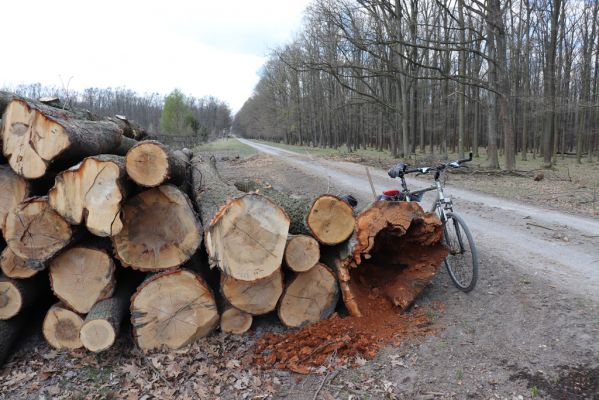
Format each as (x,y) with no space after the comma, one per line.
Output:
(35,135)
(150,163)
(245,233)
(160,230)
(255,297)
(394,252)
(61,328)
(235,321)
(81,276)
(13,190)
(15,267)
(172,309)
(301,253)
(92,192)
(19,294)
(35,232)
(311,296)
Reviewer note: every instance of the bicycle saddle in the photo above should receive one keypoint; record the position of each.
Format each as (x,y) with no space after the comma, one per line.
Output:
(397,170)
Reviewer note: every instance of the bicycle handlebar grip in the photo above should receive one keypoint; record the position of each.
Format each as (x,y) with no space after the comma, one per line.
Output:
(397,170)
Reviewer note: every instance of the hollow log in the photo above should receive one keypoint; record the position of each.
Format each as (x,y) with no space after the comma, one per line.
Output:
(235,321)
(102,324)
(19,294)
(81,276)
(160,230)
(311,296)
(256,297)
(150,163)
(301,253)
(16,267)
(61,328)
(35,232)
(394,252)
(172,309)
(92,192)
(13,190)
(245,233)
(35,135)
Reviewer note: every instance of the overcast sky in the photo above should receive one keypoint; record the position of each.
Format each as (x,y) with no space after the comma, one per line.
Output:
(203,47)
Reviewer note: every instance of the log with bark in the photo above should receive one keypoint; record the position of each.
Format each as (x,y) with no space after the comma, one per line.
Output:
(160,230)
(61,327)
(311,296)
(12,331)
(16,267)
(255,297)
(235,321)
(395,252)
(150,163)
(172,309)
(245,233)
(329,218)
(35,232)
(13,190)
(92,192)
(35,135)
(19,294)
(81,276)
(301,253)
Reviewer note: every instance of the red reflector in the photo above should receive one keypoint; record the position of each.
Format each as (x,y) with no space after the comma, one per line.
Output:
(391,192)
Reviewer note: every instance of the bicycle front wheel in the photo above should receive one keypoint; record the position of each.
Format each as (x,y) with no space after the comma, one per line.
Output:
(462,260)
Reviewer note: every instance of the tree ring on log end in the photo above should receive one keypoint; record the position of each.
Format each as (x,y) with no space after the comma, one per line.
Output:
(302,253)
(147,164)
(331,220)
(61,328)
(11,300)
(97,335)
(235,321)
(257,297)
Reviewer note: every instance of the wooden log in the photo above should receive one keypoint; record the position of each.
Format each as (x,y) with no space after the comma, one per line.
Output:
(35,232)
(255,297)
(160,230)
(19,294)
(61,328)
(150,163)
(81,276)
(311,296)
(235,321)
(36,135)
(245,233)
(13,190)
(131,129)
(5,98)
(12,331)
(15,267)
(301,253)
(394,252)
(172,309)
(102,324)
(92,192)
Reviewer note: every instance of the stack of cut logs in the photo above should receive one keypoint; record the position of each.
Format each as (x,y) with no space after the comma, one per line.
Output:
(114,227)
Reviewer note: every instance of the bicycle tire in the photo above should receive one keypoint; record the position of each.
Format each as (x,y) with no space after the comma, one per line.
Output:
(461,262)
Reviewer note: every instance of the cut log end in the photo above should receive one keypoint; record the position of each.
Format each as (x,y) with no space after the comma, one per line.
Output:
(256,298)
(147,164)
(11,300)
(61,328)
(13,190)
(160,230)
(235,321)
(331,220)
(254,223)
(97,335)
(16,267)
(310,297)
(301,253)
(172,309)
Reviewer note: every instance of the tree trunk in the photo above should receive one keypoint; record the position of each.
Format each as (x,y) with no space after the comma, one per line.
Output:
(17,295)
(92,192)
(35,135)
(61,328)
(256,298)
(235,321)
(245,234)
(16,267)
(82,276)
(150,163)
(13,190)
(160,230)
(301,253)
(395,252)
(172,309)
(35,232)
(311,296)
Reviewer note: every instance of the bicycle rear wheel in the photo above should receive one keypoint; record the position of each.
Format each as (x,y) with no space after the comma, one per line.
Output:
(462,260)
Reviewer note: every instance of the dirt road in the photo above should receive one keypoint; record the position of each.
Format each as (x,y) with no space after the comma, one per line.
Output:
(561,247)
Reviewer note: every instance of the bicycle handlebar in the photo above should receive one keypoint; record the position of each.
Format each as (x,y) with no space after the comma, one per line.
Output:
(401,169)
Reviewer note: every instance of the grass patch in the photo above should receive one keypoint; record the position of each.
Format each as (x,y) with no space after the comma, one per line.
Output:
(226,145)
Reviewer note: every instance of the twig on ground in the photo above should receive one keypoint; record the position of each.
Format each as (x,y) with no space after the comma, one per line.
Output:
(539,226)
(371,184)
(332,376)
(153,368)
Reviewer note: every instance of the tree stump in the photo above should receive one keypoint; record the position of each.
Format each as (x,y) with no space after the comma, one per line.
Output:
(13,190)
(150,163)
(160,230)
(235,321)
(61,328)
(256,297)
(301,253)
(172,309)
(16,267)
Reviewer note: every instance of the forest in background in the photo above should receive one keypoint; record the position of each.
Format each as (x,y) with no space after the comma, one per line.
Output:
(436,76)
(175,114)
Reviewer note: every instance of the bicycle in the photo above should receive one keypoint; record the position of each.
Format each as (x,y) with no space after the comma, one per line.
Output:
(462,260)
